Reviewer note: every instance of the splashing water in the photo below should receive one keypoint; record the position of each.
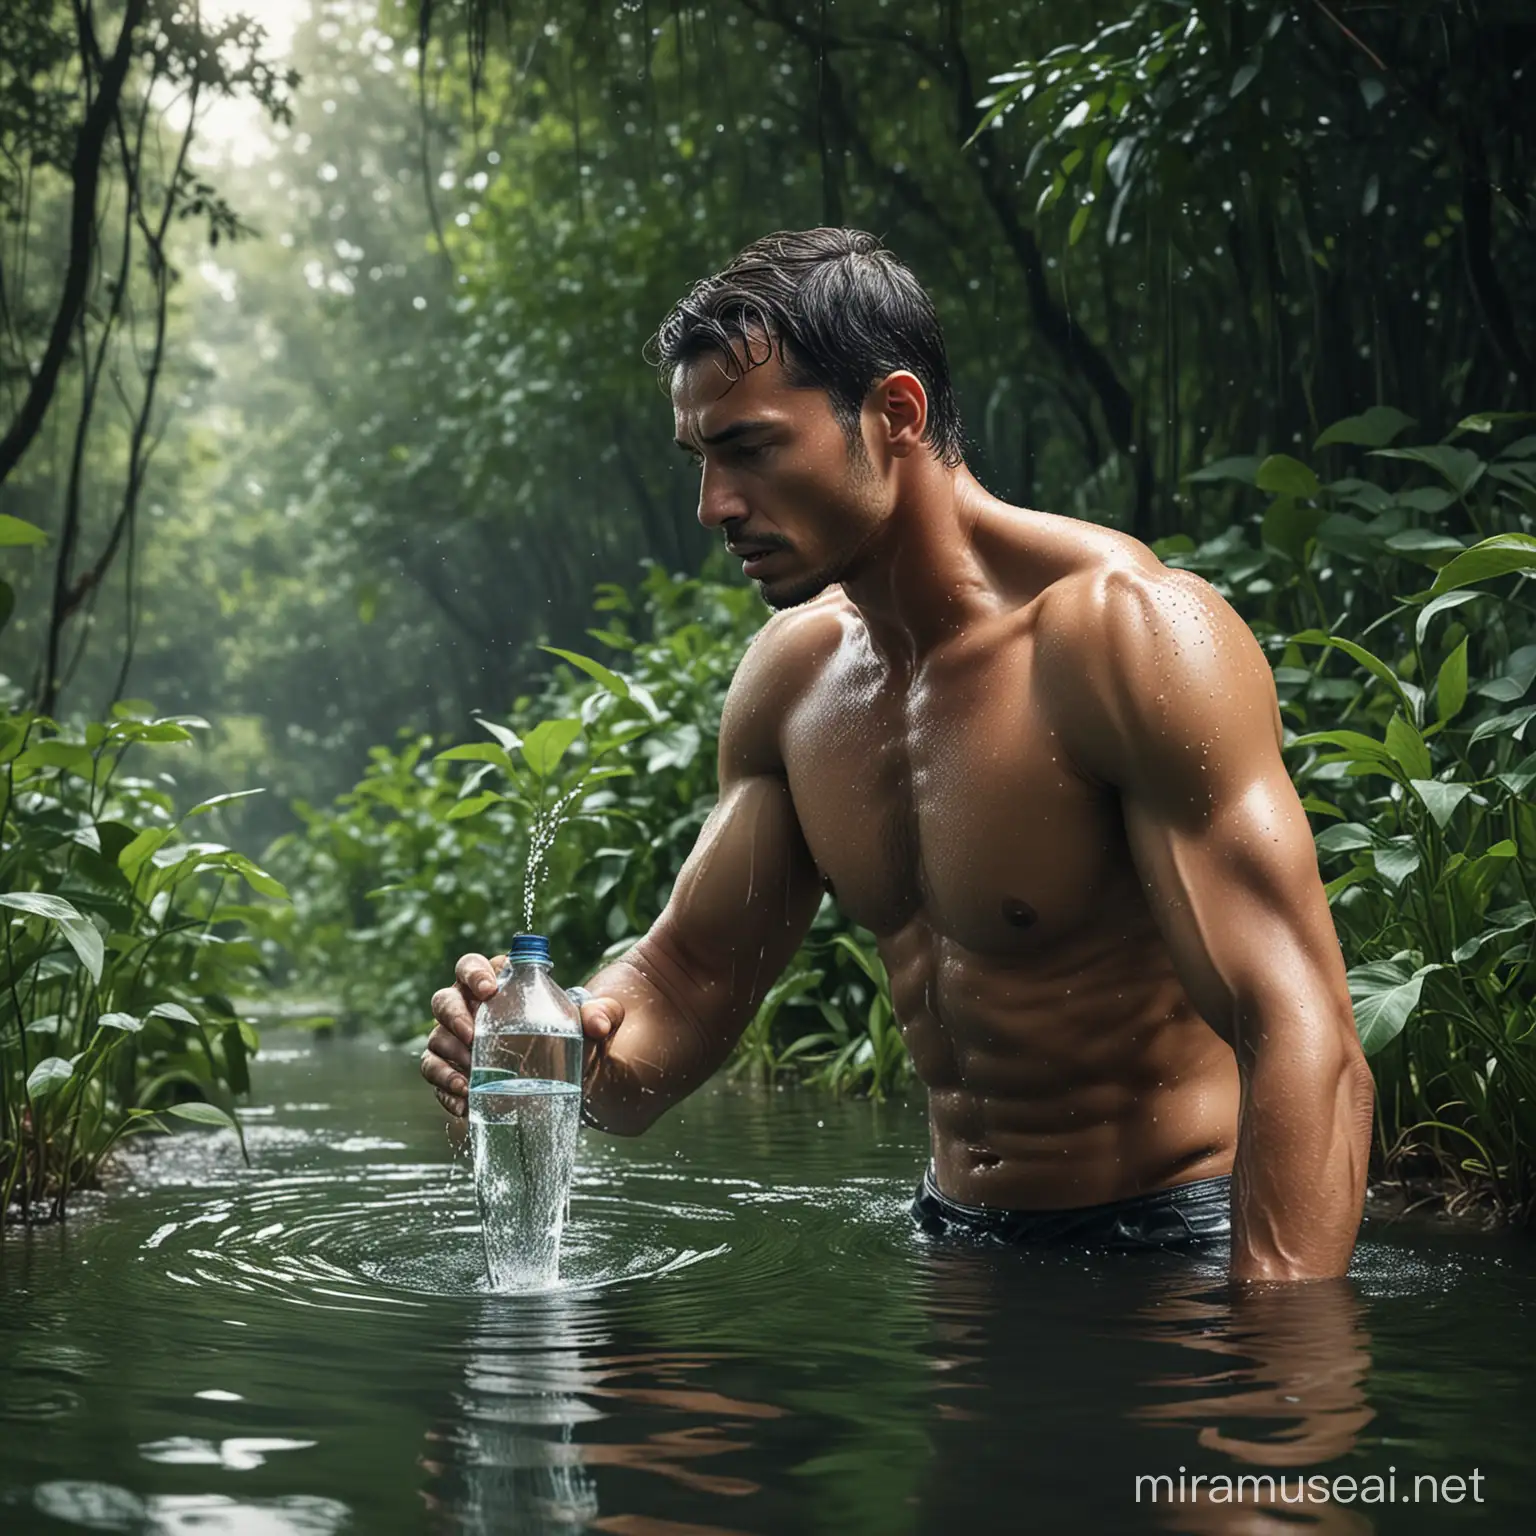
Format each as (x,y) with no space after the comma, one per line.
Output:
(546,824)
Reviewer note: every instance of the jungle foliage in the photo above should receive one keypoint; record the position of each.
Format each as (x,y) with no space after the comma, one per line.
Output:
(320,426)
(125,953)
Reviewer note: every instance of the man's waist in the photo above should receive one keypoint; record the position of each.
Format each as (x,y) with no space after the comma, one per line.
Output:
(1190,1213)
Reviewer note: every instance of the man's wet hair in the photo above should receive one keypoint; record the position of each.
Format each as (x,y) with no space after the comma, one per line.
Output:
(842,313)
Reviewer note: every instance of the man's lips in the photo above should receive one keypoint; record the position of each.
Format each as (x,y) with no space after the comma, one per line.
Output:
(753,555)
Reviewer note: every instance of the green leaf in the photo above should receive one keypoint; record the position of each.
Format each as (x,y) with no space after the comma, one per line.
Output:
(1440,800)
(1321,807)
(71,756)
(594,669)
(547,743)
(1384,998)
(1424,498)
(201,1114)
(1513,723)
(509,739)
(1510,920)
(1367,659)
(48,1076)
(1484,421)
(14,531)
(1460,468)
(1288,527)
(1451,685)
(172,1011)
(1520,778)
(1336,888)
(1243,468)
(149,841)
(1353,747)
(123,1021)
(1439,605)
(1344,838)
(598,775)
(1396,863)
(1498,556)
(871,965)
(477,752)
(612,638)
(1425,546)
(80,933)
(472,805)
(1406,744)
(203,807)
(1285,476)
(1079,223)
(1374,428)
(257,878)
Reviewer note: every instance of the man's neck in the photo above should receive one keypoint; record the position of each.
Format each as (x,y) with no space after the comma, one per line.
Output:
(920,581)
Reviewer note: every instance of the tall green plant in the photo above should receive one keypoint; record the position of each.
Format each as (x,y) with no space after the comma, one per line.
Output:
(122,954)
(1408,725)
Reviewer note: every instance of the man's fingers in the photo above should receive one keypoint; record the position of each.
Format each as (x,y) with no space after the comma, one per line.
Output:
(442,1070)
(455,1106)
(600,1016)
(476,975)
(452,1012)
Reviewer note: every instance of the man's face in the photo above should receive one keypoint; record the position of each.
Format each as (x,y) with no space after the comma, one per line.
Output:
(779,476)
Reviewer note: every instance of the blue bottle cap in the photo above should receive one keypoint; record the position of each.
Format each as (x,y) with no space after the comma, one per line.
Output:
(528,946)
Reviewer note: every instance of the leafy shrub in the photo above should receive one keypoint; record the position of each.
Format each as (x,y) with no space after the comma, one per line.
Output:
(122,954)
(1408,741)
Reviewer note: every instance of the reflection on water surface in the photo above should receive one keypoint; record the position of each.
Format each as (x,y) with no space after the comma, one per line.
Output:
(750,1338)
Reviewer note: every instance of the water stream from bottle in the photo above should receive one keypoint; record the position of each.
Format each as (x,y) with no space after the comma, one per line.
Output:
(546,825)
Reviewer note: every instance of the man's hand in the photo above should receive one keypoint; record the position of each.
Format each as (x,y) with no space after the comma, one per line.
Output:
(445,1062)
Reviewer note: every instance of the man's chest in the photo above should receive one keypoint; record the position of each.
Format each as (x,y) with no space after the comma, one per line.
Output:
(950,797)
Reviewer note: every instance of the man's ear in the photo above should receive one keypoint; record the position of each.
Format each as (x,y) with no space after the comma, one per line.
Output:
(901,404)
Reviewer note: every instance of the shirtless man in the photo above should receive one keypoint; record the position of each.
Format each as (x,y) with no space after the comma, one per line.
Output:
(1041,767)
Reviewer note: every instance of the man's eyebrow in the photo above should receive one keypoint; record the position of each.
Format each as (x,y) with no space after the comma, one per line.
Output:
(726,434)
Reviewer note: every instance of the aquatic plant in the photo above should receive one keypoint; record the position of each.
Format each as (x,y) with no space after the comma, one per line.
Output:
(122,953)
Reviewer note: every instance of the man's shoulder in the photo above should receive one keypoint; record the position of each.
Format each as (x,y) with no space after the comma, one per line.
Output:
(780,664)
(1122,610)
(1139,657)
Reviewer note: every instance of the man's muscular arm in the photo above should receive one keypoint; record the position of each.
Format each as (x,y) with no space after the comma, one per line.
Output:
(738,911)
(667,1014)
(1174,706)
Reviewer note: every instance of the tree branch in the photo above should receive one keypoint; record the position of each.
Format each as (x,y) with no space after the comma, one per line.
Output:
(85,173)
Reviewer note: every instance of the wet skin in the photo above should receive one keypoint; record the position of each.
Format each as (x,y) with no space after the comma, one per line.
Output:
(1044,770)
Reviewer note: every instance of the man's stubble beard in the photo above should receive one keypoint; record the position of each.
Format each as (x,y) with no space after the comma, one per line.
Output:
(861,480)
(792,596)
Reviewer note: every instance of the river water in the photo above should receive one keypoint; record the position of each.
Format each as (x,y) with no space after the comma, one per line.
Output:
(750,1338)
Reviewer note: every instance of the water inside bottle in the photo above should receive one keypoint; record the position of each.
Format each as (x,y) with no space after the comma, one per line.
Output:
(524,1111)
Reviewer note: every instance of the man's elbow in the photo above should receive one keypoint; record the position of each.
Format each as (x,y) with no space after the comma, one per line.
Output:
(1356,1092)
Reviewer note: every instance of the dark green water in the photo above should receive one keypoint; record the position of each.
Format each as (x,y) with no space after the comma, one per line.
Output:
(751,1339)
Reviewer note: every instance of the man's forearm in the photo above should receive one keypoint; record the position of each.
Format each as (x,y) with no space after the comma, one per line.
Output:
(1298,1181)
(676,1032)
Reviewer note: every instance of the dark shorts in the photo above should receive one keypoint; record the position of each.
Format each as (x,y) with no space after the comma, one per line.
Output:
(1184,1216)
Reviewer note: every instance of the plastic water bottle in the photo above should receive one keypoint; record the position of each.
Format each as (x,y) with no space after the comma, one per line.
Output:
(524,1110)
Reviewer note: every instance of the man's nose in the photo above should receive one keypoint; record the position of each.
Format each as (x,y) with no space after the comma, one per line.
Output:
(719,502)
